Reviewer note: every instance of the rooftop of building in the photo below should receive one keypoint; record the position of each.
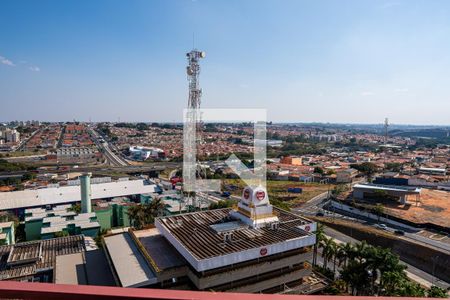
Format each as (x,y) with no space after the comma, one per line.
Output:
(196,237)
(26,259)
(389,188)
(162,253)
(131,267)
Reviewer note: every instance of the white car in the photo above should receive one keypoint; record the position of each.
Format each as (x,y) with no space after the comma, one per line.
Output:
(381,226)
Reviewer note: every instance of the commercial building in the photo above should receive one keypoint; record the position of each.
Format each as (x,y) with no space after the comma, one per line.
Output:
(44,224)
(71,193)
(62,260)
(386,192)
(144,153)
(432,171)
(250,248)
(77,155)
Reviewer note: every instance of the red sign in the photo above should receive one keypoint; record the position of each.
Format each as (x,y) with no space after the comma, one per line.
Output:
(307,228)
(246,194)
(260,195)
(263,251)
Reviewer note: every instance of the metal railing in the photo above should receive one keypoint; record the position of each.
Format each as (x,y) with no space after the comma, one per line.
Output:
(38,291)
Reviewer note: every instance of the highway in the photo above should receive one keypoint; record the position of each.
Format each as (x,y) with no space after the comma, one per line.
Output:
(110,156)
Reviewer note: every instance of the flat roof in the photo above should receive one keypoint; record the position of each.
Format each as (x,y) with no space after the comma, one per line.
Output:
(164,255)
(129,264)
(66,194)
(391,188)
(97,268)
(70,269)
(204,248)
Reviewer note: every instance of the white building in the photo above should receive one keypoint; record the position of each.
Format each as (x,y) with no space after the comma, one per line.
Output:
(144,153)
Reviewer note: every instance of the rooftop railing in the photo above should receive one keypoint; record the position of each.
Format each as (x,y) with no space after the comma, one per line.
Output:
(40,291)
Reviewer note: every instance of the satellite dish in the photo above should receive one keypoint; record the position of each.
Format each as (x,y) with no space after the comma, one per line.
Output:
(202,54)
(189,71)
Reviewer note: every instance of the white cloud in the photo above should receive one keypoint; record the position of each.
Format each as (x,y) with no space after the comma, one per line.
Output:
(5,61)
(367,93)
(34,69)
(402,90)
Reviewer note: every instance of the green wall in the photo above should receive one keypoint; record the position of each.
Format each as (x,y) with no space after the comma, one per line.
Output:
(33,230)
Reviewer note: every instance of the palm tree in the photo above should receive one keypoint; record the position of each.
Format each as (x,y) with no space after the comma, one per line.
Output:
(347,252)
(328,248)
(319,237)
(136,213)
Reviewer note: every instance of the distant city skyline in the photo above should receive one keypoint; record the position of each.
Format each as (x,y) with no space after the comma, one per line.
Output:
(353,62)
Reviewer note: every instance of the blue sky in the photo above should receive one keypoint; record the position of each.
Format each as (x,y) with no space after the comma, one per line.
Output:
(325,61)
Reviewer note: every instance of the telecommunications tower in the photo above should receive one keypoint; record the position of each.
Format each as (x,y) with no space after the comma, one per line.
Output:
(386,126)
(192,125)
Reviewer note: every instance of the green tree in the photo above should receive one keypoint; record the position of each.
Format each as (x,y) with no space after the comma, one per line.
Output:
(61,233)
(437,292)
(319,170)
(378,210)
(320,235)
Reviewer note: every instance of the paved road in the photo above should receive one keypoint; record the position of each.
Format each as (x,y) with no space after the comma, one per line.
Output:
(318,203)
(24,142)
(413,273)
(409,234)
(110,156)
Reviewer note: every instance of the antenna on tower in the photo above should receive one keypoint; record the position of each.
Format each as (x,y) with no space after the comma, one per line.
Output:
(386,126)
(192,135)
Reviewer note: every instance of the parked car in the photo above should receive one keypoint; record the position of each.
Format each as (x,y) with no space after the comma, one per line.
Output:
(399,232)
(319,214)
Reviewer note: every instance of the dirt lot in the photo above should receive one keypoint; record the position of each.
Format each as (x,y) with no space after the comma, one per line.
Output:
(434,207)
(278,190)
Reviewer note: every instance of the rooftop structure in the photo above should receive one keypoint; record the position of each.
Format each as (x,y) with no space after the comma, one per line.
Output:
(213,239)
(218,249)
(143,153)
(374,191)
(35,260)
(44,224)
(132,269)
(70,194)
